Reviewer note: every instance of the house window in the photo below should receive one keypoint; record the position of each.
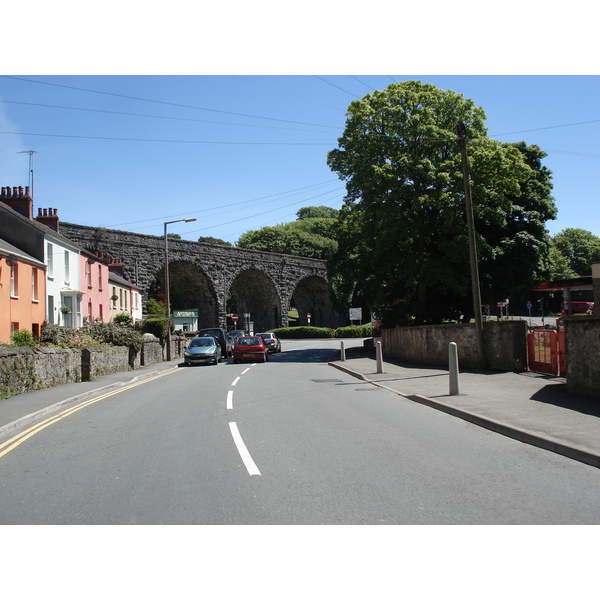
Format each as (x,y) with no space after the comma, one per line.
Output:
(34,285)
(89,310)
(100,277)
(114,297)
(50,260)
(88,274)
(67,268)
(51,319)
(14,281)
(100,313)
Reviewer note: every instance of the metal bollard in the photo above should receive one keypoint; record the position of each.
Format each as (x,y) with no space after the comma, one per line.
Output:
(453,368)
(342,351)
(379,356)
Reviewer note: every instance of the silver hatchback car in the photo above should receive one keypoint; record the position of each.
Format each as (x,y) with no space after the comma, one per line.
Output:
(272,342)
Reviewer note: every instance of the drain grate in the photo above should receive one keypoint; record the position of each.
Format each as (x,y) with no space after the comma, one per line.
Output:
(369,389)
(327,380)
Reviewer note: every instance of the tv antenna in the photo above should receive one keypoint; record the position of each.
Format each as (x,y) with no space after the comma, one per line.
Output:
(30,180)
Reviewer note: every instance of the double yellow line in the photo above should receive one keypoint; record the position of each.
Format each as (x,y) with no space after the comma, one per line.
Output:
(17,440)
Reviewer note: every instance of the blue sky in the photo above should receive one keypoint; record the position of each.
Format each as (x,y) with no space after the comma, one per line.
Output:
(243,152)
(147,117)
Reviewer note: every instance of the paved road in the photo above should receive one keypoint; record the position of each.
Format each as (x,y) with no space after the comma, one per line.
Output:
(292,441)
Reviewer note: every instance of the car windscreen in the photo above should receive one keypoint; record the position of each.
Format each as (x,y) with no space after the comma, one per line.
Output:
(248,341)
(203,341)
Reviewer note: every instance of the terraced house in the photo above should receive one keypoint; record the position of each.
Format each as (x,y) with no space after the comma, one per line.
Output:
(39,239)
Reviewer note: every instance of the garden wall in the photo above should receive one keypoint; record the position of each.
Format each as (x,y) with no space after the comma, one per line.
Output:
(23,369)
(582,341)
(505,344)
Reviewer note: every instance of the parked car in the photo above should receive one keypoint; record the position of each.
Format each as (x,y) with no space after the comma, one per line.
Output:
(234,334)
(220,334)
(250,347)
(271,341)
(202,350)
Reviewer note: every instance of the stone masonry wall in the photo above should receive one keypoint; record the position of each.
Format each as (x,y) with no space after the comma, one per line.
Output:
(505,344)
(23,369)
(582,341)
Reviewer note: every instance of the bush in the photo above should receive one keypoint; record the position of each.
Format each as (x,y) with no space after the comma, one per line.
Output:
(295,333)
(114,335)
(123,319)
(23,338)
(357,331)
(155,307)
(55,335)
(157,326)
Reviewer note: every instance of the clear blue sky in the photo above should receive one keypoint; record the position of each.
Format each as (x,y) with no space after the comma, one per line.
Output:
(236,128)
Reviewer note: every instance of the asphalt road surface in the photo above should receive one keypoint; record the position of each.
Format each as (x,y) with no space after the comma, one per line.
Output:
(291,441)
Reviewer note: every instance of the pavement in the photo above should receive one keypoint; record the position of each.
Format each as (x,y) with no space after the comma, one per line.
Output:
(532,408)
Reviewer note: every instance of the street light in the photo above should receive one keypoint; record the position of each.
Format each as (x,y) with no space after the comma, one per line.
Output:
(167,293)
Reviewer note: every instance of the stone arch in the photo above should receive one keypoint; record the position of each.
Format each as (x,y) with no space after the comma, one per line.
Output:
(254,292)
(190,288)
(312,296)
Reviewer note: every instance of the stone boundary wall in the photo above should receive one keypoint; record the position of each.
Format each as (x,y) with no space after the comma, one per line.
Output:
(23,369)
(582,341)
(505,345)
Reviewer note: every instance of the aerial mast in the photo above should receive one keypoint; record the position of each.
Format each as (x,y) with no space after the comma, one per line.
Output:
(30,179)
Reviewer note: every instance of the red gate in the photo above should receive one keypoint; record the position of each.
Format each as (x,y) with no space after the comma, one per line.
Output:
(546,351)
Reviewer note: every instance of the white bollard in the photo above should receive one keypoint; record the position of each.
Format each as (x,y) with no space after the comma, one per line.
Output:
(379,356)
(342,351)
(453,368)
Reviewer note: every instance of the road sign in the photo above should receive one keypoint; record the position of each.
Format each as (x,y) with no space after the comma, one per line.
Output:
(234,318)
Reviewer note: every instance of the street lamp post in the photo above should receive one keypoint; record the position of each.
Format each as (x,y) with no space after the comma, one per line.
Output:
(167,292)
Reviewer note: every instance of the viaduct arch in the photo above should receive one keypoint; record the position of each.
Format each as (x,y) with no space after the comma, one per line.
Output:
(212,278)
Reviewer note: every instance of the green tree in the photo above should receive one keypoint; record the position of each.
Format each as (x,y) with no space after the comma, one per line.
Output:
(580,248)
(402,234)
(214,241)
(515,250)
(310,236)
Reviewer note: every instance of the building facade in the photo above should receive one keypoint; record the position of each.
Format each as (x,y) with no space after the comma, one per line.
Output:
(22,292)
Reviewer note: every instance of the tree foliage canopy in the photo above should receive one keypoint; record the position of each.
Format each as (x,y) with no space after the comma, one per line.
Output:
(310,236)
(574,251)
(402,232)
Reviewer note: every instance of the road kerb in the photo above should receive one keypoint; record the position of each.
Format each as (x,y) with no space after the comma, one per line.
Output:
(541,441)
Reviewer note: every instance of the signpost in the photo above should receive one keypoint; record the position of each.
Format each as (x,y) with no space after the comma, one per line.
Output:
(356,314)
(308,317)
(234,318)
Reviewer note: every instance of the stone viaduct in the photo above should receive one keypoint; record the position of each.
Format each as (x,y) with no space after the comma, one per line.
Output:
(215,279)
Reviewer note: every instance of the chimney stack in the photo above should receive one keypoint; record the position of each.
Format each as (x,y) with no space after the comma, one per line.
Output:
(48,217)
(18,200)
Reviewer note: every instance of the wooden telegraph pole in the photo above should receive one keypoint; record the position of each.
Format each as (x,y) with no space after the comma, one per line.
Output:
(462,140)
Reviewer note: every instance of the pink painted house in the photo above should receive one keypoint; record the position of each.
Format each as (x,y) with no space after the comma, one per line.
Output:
(95,301)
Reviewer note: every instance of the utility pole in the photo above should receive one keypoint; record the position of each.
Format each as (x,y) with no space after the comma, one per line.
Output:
(462,140)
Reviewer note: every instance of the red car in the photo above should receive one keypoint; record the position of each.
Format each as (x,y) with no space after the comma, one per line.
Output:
(250,347)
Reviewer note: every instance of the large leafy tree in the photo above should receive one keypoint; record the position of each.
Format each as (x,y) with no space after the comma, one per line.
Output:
(579,248)
(402,233)
(310,236)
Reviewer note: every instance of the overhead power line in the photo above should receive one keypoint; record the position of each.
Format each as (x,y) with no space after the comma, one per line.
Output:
(163,102)
(119,139)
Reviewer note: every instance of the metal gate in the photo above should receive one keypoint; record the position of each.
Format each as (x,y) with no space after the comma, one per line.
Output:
(546,351)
